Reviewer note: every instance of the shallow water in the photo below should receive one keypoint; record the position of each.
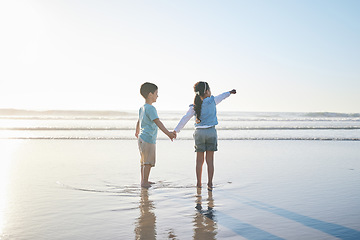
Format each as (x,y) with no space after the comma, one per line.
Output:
(75,189)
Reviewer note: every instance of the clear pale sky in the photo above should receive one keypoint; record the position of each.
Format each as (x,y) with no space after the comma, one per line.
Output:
(280,55)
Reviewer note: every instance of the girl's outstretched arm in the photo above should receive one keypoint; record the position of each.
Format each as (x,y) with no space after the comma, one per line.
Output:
(223,96)
(218,99)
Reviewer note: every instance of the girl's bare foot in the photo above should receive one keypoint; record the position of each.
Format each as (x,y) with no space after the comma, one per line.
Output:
(151,182)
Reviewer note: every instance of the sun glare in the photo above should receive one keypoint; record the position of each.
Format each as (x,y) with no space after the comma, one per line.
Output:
(7,150)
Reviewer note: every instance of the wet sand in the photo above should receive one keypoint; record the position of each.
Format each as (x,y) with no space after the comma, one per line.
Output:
(89,189)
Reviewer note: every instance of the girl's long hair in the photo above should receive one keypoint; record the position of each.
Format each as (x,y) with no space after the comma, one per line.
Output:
(199,89)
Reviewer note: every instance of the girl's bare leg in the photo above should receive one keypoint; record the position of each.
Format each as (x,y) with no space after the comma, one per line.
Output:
(210,167)
(199,164)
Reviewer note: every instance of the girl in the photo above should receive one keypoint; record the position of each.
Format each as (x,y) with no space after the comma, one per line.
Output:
(205,135)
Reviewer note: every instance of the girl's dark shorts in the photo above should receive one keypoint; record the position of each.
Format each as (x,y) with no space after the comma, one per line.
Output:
(205,139)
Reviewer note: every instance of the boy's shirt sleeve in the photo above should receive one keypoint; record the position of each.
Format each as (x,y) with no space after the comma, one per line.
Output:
(152,113)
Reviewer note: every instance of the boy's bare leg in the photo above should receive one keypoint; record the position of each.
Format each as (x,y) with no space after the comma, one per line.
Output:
(142,173)
(199,164)
(145,181)
(210,167)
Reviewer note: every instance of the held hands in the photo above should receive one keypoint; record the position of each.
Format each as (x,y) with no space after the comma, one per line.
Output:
(233,91)
(172,135)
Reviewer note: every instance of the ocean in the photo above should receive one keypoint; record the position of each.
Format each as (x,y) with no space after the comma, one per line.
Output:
(76,175)
(232,126)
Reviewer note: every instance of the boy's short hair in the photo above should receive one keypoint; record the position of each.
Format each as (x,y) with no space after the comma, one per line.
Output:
(147,88)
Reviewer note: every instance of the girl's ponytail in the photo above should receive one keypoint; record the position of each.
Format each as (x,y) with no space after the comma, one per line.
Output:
(199,89)
(197,107)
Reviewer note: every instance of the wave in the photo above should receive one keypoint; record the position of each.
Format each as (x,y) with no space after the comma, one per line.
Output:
(309,118)
(176,115)
(353,119)
(126,117)
(293,128)
(67,128)
(332,115)
(186,139)
(185,129)
(23,112)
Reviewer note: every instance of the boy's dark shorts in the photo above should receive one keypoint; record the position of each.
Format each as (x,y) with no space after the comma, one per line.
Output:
(205,139)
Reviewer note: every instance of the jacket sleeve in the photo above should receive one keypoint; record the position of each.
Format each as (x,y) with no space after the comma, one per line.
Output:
(221,97)
(185,119)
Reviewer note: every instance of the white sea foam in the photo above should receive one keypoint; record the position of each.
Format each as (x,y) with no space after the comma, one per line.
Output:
(232,126)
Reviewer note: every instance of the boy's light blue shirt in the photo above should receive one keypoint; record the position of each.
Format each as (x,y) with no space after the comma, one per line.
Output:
(148,128)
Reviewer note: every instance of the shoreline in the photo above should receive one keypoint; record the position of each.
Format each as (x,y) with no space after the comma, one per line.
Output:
(183,139)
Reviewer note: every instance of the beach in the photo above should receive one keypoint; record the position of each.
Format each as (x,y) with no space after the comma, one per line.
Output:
(273,85)
(90,189)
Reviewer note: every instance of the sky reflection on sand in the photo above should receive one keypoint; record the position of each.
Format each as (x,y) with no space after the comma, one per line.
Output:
(7,150)
(91,189)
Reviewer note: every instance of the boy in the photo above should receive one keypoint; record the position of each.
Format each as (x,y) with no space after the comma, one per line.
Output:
(146,131)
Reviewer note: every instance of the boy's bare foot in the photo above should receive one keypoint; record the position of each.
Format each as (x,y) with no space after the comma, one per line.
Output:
(146,185)
(151,182)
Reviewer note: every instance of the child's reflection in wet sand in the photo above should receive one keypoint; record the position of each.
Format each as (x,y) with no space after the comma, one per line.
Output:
(204,224)
(145,227)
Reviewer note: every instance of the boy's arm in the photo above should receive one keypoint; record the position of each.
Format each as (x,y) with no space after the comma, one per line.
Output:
(224,95)
(137,131)
(171,135)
